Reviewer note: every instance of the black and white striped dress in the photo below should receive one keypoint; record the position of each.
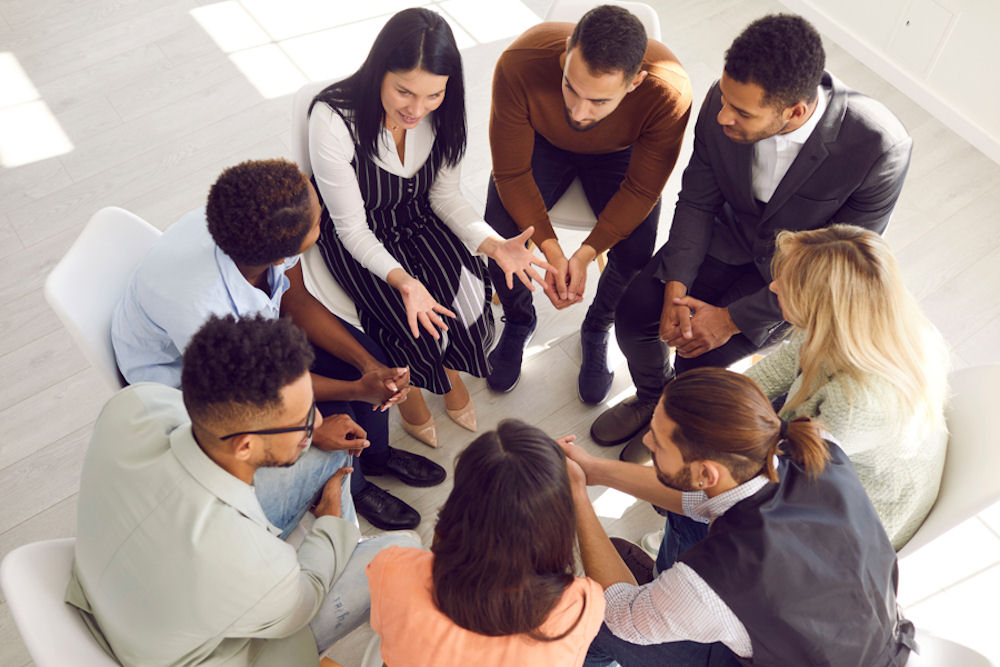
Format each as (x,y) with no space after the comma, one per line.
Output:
(399,214)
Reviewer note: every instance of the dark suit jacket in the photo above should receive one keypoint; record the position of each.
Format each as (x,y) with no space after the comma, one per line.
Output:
(850,170)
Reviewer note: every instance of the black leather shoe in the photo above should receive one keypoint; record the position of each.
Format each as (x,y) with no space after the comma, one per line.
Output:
(409,468)
(595,378)
(505,359)
(384,510)
(618,424)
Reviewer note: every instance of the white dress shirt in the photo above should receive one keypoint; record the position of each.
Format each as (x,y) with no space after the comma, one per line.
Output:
(773,156)
(331,149)
(678,605)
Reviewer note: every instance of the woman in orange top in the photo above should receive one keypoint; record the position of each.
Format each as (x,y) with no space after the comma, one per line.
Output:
(497,587)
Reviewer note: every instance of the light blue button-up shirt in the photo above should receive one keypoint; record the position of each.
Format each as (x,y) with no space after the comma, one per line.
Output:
(183,280)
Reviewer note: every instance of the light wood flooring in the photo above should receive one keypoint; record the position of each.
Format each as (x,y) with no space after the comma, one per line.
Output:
(154,108)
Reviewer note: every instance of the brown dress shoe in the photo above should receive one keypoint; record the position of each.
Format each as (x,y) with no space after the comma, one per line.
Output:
(621,422)
(638,561)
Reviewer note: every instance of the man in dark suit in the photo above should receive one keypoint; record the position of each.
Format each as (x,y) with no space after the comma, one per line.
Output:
(779,144)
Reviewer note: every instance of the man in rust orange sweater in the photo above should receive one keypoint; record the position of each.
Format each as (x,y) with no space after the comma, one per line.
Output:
(601,102)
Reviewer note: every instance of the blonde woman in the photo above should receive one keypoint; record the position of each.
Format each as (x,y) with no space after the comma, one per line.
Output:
(864,362)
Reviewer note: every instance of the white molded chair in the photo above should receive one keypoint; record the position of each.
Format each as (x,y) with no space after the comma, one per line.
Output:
(88,281)
(34,579)
(572,211)
(373,654)
(969,483)
(315,275)
(940,652)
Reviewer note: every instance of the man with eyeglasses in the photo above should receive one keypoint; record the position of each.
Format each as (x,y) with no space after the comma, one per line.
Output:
(176,560)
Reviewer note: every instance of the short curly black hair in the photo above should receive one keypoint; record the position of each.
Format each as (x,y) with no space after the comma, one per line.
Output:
(781,53)
(258,211)
(611,39)
(234,369)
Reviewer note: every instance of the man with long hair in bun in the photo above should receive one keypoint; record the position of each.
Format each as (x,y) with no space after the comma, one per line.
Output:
(796,568)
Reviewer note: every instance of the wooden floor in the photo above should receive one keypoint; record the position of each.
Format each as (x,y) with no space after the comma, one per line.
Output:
(153,107)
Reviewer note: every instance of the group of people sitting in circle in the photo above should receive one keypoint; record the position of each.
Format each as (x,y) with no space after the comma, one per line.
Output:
(787,489)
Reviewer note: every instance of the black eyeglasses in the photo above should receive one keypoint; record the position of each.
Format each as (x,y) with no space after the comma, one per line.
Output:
(308,428)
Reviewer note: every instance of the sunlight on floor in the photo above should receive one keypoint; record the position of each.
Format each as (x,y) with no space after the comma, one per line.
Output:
(280,46)
(28,130)
(612,504)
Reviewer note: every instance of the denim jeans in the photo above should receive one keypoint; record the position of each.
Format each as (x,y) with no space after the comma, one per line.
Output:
(348,604)
(286,494)
(601,176)
(606,649)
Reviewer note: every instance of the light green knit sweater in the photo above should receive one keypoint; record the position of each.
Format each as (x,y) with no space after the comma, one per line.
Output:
(899,465)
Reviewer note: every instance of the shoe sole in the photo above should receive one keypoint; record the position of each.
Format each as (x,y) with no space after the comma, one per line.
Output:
(368,472)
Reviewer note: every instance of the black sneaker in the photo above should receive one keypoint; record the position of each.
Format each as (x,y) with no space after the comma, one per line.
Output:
(505,359)
(595,378)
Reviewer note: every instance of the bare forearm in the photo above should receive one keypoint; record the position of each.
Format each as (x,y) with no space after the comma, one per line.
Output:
(636,480)
(329,389)
(601,561)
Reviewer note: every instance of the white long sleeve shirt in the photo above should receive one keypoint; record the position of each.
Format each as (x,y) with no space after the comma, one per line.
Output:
(331,149)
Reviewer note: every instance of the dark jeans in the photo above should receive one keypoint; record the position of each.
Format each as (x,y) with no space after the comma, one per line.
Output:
(679,535)
(637,323)
(606,649)
(600,175)
(375,423)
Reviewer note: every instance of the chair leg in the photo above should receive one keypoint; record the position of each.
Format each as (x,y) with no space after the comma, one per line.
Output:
(602,261)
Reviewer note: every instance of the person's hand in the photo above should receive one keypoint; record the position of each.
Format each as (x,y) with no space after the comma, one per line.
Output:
(557,280)
(329,500)
(577,479)
(577,270)
(340,432)
(383,387)
(711,327)
(515,259)
(675,320)
(422,310)
(576,454)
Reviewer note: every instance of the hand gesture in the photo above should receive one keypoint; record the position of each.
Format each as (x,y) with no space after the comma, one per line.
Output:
(422,309)
(329,500)
(577,270)
(384,387)
(557,280)
(709,327)
(515,259)
(340,432)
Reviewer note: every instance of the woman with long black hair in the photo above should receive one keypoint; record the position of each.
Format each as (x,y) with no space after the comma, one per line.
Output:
(385,144)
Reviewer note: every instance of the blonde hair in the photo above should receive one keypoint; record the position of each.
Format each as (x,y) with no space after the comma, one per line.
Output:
(843,287)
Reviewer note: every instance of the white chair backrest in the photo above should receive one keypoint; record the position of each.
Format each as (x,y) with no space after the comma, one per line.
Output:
(87,283)
(34,579)
(570,11)
(969,483)
(300,123)
(373,653)
(939,652)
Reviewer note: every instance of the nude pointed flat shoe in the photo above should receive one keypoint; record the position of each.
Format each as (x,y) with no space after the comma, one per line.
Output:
(425,433)
(464,416)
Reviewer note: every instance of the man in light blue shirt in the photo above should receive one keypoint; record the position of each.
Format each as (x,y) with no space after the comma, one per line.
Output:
(239,255)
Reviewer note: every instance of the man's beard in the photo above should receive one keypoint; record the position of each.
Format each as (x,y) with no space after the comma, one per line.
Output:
(681,481)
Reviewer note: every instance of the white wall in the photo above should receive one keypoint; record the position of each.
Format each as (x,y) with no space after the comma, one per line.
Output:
(941,53)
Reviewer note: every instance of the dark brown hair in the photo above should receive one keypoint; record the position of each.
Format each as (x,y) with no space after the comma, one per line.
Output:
(503,545)
(724,416)
(611,39)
